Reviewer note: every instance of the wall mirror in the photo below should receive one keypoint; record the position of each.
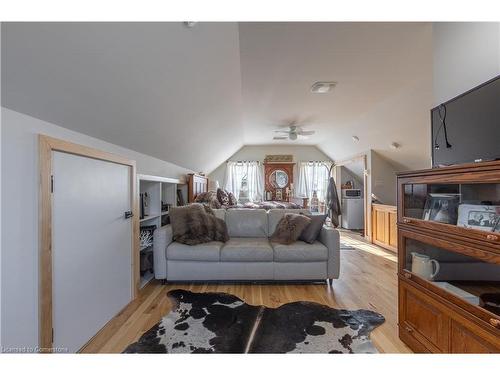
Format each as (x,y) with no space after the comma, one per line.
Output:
(278,179)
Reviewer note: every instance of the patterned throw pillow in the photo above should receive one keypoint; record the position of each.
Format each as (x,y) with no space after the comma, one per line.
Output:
(232,199)
(222,197)
(289,228)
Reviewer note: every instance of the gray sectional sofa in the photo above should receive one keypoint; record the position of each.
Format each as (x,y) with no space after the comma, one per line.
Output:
(248,255)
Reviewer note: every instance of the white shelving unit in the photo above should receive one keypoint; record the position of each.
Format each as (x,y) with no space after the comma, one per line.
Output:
(158,190)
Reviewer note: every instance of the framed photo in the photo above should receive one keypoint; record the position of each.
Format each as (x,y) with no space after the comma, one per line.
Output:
(442,208)
(481,217)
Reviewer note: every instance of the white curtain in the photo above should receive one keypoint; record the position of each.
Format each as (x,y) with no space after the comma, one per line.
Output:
(245,180)
(313,176)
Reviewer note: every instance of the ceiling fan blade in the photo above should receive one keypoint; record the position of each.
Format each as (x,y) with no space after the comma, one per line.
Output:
(279,138)
(303,136)
(306,132)
(282,131)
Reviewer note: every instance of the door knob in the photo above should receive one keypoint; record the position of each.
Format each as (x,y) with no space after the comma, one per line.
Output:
(128,214)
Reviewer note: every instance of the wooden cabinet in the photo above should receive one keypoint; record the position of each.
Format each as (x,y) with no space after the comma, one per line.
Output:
(384,226)
(466,340)
(430,324)
(422,317)
(449,258)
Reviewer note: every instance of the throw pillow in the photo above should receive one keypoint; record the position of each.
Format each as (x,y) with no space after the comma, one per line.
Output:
(209,198)
(195,224)
(289,228)
(311,232)
(232,199)
(222,197)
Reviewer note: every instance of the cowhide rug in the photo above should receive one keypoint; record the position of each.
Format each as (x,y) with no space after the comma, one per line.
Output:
(223,323)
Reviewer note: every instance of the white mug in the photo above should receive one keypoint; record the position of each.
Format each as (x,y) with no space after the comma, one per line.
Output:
(422,265)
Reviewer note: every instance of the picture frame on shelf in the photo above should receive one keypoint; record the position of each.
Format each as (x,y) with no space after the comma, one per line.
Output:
(442,208)
(279,195)
(480,217)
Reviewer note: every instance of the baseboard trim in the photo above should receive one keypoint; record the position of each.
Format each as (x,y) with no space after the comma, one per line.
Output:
(257,282)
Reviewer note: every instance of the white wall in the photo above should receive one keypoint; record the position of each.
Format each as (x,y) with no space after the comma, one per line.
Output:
(300,153)
(383,178)
(466,54)
(346,174)
(20,216)
(0,198)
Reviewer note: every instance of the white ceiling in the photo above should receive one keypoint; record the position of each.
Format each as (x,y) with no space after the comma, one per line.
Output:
(194,96)
(384,90)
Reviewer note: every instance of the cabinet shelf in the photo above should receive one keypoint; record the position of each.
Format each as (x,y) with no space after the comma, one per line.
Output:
(144,248)
(158,193)
(146,278)
(149,217)
(449,258)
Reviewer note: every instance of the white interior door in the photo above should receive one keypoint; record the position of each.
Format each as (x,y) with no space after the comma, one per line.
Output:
(92,246)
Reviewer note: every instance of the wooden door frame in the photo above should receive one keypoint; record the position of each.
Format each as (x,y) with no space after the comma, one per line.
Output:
(46,145)
(367,203)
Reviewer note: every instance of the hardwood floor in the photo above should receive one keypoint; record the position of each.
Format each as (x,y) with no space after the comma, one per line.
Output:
(367,280)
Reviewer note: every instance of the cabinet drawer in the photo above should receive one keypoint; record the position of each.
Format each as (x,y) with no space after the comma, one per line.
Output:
(423,318)
(467,340)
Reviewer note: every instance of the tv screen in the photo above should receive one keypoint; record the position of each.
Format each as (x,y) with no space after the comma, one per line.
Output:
(471,123)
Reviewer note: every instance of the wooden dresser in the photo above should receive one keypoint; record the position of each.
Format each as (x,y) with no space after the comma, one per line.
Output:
(449,258)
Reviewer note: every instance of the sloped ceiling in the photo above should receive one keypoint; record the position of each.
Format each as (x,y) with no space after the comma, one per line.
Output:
(162,89)
(194,96)
(383,95)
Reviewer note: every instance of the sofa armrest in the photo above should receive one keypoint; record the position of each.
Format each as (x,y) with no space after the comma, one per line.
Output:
(162,237)
(330,237)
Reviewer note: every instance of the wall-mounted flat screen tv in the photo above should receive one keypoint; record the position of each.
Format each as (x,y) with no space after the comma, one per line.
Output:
(466,129)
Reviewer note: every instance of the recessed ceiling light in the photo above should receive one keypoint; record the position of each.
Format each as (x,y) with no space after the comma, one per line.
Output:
(190,23)
(355,138)
(322,87)
(395,145)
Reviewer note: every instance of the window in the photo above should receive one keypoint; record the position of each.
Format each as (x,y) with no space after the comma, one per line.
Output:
(313,177)
(244,179)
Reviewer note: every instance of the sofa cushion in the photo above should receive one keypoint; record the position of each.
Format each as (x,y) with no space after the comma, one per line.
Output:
(247,223)
(247,250)
(209,251)
(275,216)
(300,251)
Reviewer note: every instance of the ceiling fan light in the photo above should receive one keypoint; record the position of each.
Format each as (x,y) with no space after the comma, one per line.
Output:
(293,136)
(322,87)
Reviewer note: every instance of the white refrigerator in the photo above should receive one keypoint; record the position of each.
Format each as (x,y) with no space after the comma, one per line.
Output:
(352,213)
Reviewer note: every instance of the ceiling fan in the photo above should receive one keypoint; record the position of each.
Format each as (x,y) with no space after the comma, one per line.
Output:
(293,133)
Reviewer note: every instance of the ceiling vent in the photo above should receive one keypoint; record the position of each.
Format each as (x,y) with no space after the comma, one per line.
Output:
(323,87)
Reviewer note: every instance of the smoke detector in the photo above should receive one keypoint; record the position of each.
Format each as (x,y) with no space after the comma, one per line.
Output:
(190,24)
(395,145)
(322,87)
